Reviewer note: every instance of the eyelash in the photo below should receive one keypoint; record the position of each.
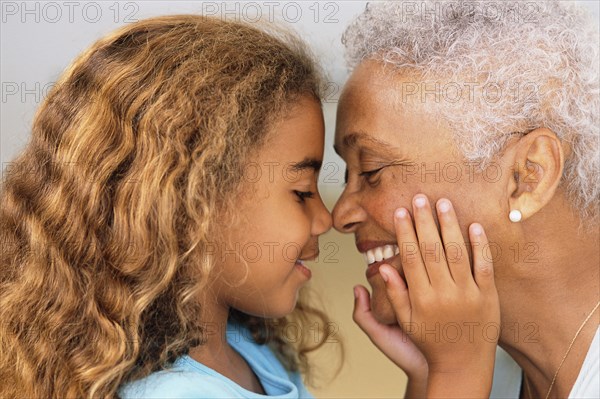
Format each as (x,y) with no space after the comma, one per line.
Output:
(370,173)
(367,174)
(304,194)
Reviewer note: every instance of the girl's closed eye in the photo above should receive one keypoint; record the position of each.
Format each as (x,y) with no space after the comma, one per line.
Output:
(303,194)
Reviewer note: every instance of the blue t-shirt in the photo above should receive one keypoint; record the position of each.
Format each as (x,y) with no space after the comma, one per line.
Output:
(191,379)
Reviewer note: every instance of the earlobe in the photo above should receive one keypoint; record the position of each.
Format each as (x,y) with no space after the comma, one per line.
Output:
(515,215)
(537,171)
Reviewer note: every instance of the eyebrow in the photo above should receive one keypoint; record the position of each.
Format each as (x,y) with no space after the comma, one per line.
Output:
(307,163)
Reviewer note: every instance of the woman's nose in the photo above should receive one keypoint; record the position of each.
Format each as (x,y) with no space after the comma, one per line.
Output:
(347,214)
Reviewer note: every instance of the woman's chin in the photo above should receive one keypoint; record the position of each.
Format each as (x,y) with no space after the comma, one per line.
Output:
(382,308)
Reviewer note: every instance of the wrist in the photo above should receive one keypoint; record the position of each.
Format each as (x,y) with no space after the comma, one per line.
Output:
(471,362)
(416,388)
(418,376)
(461,380)
(468,364)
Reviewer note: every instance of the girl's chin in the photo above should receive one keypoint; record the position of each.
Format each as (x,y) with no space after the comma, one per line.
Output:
(284,306)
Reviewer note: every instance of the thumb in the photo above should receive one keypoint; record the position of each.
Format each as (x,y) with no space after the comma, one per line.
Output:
(397,293)
(362,309)
(363,316)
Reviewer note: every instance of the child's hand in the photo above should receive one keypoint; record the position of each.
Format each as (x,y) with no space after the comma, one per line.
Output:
(451,314)
(393,342)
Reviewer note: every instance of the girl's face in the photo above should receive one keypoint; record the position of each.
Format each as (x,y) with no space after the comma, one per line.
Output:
(281,216)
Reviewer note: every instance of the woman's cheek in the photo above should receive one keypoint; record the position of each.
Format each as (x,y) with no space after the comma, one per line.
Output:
(382,202)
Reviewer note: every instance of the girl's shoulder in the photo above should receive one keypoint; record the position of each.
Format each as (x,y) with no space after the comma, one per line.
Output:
(177,382)
(191,379)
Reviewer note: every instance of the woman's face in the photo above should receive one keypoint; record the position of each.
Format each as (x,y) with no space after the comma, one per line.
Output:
(281,218)
(393,150)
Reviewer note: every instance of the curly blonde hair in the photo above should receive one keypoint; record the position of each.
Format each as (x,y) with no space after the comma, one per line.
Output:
(106,216)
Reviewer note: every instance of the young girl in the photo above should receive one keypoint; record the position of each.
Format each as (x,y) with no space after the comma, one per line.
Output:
(156,226)
(138,220)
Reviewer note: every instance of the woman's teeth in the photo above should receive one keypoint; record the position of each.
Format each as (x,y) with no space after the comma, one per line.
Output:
(380,253)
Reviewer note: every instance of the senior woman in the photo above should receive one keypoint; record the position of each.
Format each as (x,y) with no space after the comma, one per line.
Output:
(494,106)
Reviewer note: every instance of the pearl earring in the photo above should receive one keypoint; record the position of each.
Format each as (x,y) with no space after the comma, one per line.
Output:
(515,215)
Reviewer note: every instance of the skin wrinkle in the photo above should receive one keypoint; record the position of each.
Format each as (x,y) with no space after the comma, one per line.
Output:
(373,147)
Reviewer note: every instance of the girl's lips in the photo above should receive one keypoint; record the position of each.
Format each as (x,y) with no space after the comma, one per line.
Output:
(302,268)
(373,268)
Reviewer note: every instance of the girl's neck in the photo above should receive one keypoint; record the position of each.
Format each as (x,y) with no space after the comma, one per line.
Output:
(217,354)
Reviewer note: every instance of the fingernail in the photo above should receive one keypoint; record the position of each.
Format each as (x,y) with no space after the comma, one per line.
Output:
(476,229)
(400,213)
(444,205)
(384,274)
(355,293)
(420,201)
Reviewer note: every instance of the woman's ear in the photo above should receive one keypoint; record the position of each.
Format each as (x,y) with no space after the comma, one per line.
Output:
(537,171)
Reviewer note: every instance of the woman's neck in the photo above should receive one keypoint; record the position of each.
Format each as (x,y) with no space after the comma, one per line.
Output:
(544,305)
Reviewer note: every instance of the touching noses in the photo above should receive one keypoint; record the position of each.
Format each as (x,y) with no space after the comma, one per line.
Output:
(347,214)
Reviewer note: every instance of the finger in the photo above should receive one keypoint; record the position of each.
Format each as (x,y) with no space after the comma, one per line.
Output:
(391,340)
(362,314)
(410,256)
(454,243)
(397,293)
(430,243)
(483,267)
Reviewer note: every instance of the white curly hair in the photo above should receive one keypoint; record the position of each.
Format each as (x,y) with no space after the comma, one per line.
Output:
(538,59)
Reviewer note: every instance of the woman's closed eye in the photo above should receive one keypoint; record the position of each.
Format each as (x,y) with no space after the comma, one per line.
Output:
(368,175)
(371,175)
